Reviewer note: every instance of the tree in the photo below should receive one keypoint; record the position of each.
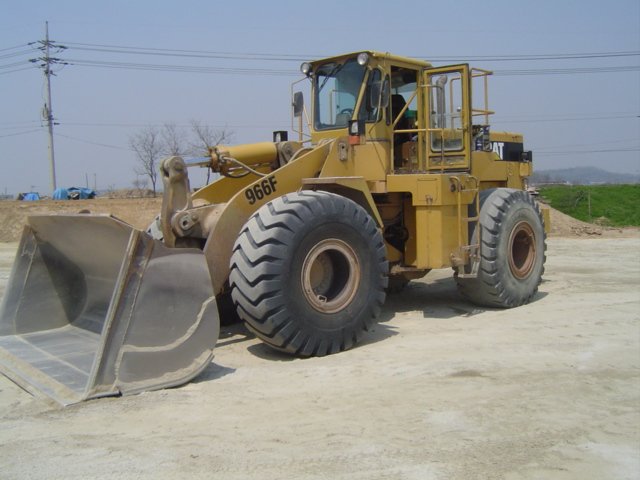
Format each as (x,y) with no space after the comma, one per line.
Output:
(206,137)
(148,147)
(151,145)
(140,184)
(173,140)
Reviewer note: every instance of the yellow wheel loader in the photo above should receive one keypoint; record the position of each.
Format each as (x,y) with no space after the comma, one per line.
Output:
(395,172)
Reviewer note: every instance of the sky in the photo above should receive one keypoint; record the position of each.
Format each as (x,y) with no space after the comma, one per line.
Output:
(581,107)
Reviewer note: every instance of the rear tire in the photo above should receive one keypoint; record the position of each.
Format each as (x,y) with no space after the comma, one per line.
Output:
(309,272)
(512,251)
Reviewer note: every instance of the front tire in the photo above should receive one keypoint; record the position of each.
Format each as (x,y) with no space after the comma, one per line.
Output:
(512,250)
(309,272)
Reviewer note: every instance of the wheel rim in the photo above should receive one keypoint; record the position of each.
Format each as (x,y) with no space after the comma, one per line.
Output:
(522,250)
(330,275)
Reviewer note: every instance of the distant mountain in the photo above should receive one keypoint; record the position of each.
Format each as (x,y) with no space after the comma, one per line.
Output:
(581,176)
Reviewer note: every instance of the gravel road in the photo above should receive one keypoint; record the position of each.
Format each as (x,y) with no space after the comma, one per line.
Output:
(440,390)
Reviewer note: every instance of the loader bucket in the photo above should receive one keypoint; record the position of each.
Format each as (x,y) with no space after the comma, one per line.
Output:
(95,307)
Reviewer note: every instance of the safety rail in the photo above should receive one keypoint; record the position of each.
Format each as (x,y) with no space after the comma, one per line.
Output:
(475,112)
(467,253)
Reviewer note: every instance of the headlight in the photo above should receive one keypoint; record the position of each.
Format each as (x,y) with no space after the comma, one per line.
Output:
(305,68)
(363,59)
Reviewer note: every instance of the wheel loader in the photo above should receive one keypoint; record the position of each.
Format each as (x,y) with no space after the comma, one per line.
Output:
(395,171)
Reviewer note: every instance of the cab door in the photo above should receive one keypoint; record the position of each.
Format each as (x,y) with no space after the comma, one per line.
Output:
(448,117)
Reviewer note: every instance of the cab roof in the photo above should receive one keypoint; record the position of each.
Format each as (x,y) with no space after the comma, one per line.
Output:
(380,56)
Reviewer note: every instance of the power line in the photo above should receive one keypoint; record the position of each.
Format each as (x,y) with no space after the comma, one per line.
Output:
(180,68)
(17,70)
(567,119)
(138,50)
(187,53)
(618,141)
(567,71)
(261,71)
(14,48)
(160,125)
(92,143)
(11,65)
(17,54)
(280,57)
(534,57)
(584,152)
(20,133)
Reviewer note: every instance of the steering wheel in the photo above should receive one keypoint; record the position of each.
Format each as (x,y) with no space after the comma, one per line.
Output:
(347,110)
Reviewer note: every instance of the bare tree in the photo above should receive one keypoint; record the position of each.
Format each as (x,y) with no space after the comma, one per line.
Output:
(173,140)
(206,137)
(140,184)
(152,144)
(147,145)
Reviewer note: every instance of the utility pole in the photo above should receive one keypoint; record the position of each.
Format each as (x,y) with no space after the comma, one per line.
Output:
(47,112)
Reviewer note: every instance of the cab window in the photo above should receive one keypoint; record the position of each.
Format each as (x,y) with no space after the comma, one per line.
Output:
(337,86)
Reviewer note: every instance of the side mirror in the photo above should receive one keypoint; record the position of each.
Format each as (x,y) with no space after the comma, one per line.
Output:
(375,95)
(298,104)
(386,93)
(379,94)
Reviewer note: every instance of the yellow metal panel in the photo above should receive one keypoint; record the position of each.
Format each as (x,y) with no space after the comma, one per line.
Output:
(488,167)
(339,162)
(380,58)
(286,179)
(348,186)
(505,137)
(429,190)
(252,153)
(371,160)
(434,237)
(223,189)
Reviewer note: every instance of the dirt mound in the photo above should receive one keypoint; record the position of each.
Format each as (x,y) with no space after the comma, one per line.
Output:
(565,226)
(138,212)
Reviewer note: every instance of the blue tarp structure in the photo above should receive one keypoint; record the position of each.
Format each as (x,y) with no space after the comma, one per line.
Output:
(73,193)
(31,197)
(61,194)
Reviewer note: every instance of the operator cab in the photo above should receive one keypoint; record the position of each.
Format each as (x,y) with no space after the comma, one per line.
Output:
(419,117)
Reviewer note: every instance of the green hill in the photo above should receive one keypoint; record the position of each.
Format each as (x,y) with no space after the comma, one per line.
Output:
(615,205)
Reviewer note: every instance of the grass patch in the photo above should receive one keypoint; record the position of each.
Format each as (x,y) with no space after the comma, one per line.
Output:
(615,205)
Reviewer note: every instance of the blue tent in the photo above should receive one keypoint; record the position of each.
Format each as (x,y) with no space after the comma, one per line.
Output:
(73,193)
(61,194)
(31,197)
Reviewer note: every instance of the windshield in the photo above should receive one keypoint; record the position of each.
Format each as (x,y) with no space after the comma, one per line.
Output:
(336,92)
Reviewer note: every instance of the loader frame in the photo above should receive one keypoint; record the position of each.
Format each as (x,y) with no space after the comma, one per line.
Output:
(395,172)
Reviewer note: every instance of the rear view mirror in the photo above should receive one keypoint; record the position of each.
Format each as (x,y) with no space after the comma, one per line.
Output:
(375,93)
(378,95)
(298,104)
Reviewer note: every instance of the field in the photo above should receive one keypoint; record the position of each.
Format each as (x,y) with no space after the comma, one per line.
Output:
(438,390)
(609,205)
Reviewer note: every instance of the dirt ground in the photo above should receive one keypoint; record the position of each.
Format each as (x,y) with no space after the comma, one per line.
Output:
(140,213)
(439,390)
